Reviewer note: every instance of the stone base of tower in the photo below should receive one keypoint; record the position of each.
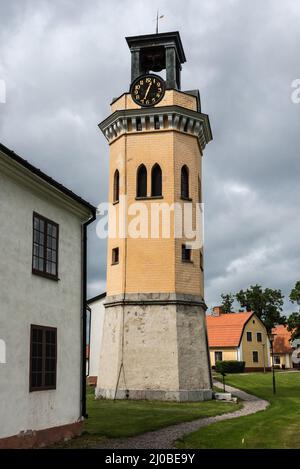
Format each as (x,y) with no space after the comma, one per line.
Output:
(154,347)
(155,395)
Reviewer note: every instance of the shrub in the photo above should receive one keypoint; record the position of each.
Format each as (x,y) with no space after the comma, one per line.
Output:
(230,366)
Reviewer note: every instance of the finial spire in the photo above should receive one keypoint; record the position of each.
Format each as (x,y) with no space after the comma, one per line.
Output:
(157,20)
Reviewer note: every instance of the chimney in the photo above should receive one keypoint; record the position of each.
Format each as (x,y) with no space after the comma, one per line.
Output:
(217,311)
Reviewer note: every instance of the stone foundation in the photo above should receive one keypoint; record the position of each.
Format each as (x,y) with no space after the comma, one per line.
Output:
(154,346)
(156,395)
(42,438)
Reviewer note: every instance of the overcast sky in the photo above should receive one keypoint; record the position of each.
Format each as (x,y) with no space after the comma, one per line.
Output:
(64,60)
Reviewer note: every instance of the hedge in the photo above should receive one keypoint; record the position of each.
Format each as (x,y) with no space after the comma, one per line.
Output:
(230,366)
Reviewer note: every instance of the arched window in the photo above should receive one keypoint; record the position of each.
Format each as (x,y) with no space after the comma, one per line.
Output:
(116,186)
(156,181)
(184,182)
(141,181)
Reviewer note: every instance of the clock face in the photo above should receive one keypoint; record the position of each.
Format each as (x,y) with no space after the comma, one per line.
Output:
(147,90)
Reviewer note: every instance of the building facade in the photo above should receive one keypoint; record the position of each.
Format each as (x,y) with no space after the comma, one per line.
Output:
(97,313)
(283,348)
(238,336)
(42,289)
(154,341)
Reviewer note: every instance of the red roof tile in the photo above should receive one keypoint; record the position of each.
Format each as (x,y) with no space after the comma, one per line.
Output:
(281,342)
(226,330)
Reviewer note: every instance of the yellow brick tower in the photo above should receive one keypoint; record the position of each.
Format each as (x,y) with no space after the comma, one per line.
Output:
(154,343)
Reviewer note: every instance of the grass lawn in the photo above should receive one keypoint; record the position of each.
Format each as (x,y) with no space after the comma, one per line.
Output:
(276,427)
(108,419)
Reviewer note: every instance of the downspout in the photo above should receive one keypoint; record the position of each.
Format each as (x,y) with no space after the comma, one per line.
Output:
(84,305)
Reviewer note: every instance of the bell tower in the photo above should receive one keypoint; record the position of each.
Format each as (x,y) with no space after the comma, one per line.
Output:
(154,343)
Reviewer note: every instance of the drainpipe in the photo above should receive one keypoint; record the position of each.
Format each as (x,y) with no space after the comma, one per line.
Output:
(84,306)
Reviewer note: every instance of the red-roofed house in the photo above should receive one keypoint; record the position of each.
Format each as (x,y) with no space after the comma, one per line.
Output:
(238,336)
(282,347)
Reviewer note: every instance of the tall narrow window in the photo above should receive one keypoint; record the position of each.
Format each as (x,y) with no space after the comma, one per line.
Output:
(116,186)
(201,261)
(255,356)
(184,182)
(156,181)
(199,191)
(141,190)
(185,253)
(45,247)
(43,350)
(115,256)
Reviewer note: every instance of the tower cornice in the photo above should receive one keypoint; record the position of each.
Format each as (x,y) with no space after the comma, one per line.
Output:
(129,121)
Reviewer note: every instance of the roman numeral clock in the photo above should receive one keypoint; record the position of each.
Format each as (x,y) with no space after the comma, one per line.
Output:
(154,343)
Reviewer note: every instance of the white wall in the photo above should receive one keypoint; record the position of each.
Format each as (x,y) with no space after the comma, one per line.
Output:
(97,321)
(27,299)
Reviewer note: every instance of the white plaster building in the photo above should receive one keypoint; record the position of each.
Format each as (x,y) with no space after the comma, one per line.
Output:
(42,305)
(97,308)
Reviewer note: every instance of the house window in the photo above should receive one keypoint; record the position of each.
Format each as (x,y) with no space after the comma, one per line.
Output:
(116,186)
(43,352)
(185,253)
(141,189)
(156,123)
(255,356)
(45,247)
(184,182)
(156,181)
(218,356)
(276,360)
(249,336)
(259,336)
(115,256)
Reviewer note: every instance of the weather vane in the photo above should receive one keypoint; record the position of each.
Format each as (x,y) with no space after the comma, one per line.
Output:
(157,20)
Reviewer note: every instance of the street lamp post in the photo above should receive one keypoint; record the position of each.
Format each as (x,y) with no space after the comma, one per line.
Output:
(271,339)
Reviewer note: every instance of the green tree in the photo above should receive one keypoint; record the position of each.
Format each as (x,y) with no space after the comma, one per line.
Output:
(227,302)
(266,304)
(293,320)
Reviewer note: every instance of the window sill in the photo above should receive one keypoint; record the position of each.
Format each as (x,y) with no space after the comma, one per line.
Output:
(45,275)
(116,202)
(187,199)
(114,263)
(186,261)
(152,197)
(43,388)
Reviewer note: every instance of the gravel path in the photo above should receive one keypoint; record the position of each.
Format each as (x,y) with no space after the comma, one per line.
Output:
(164,438)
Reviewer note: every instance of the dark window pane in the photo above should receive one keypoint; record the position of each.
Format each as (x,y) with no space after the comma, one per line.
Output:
(156,181)
(184,182)
(141,182)
(35,263)
(116,186)
(49,379)
(43,357)
(185,253)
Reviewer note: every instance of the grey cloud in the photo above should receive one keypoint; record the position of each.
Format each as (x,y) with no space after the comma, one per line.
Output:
(63,61)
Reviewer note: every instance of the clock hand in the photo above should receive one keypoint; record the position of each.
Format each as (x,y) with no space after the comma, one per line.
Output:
(147,90)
